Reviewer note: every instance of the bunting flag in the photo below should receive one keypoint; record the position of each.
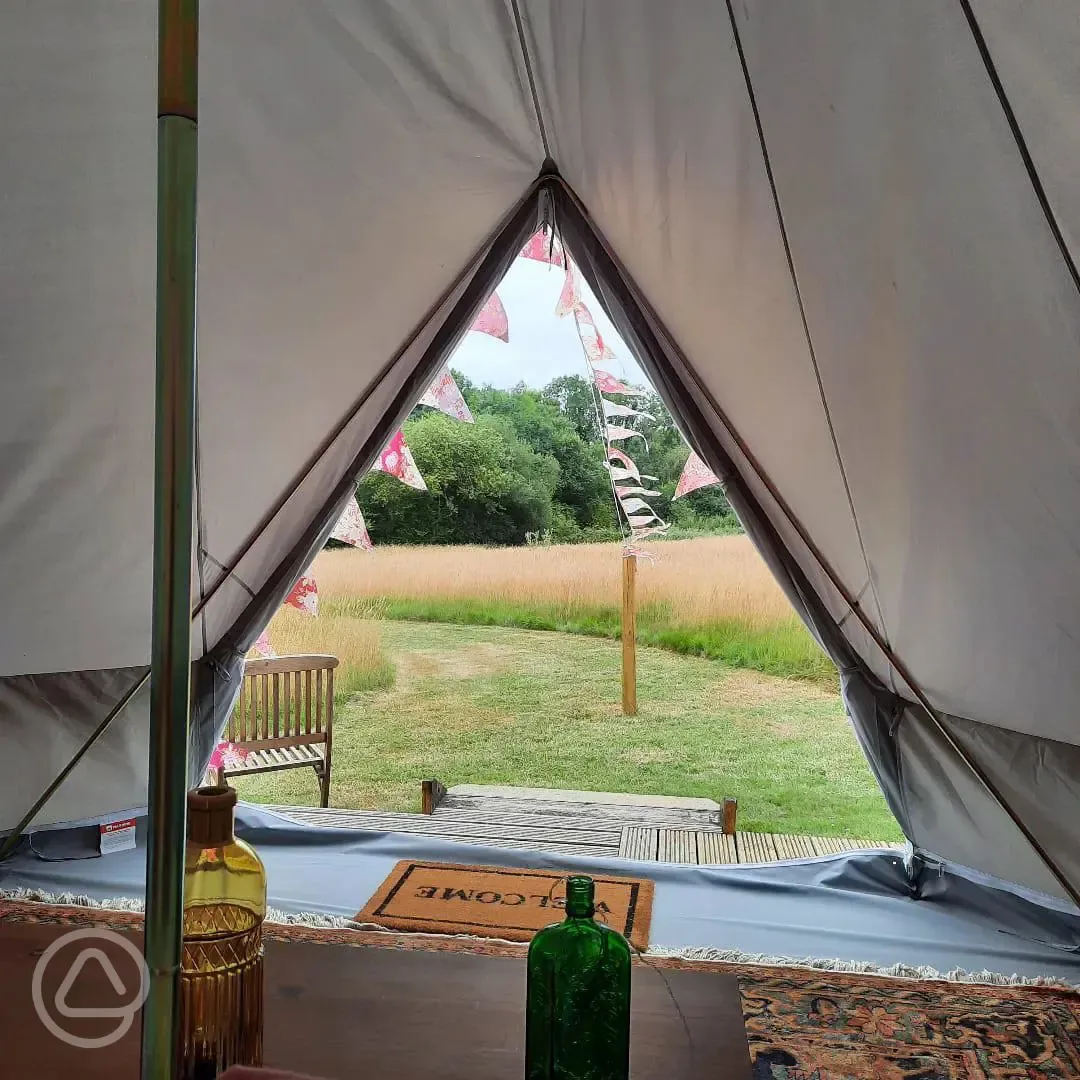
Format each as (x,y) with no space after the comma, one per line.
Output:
(596,349)
(612,409)
(624,460)
(624,433)
(227,755)
(544,248)
(696,474)
(492,319)
(351,528)
(263,647)
(621,490)
(443,394)
(640,516)
(397,460)
(570,298)
(305,596)
(606,383)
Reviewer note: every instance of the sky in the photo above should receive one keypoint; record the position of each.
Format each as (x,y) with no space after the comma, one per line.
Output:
(541,346)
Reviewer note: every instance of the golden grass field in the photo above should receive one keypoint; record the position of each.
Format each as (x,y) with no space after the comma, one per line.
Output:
(704,580)
(712,596)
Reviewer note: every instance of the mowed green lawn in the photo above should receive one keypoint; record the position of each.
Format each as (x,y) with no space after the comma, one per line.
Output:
(490,705)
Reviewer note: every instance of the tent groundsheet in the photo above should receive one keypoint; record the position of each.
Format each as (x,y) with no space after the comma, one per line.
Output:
(853,908)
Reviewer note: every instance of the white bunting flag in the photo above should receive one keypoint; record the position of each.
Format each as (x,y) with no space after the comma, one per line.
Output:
(443,394)
(613,409)
(624,433)
(351,528)
(633,505)
(696,474)
(621,491)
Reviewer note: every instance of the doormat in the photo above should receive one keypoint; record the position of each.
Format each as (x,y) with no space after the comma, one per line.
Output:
(500,902)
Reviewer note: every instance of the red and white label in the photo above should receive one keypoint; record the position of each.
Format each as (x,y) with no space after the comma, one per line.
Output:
(117,836)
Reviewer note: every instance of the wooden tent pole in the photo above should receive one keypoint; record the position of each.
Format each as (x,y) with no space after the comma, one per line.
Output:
(174,485)
(629,634)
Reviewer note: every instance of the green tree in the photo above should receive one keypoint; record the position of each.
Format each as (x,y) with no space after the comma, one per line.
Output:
(484,486)
(582,487)
(576,400)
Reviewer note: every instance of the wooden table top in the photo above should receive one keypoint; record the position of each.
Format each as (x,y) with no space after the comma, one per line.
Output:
(338,1011)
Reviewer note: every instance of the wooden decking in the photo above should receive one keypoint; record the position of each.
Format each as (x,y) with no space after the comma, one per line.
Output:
(653,829)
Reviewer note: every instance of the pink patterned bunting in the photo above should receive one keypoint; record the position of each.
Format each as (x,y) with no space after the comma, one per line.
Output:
(492,319)
(596,349)
(304,596)
(543,248)
(351,528)
(227,755)
(606,383)
(696,474)
(263,647)
(625,460)
(397,460)
(570,297)
(443,394)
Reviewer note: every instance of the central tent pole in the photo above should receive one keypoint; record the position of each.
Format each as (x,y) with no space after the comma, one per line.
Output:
(174,482)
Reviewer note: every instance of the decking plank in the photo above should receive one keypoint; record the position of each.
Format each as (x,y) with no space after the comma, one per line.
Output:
(578,829)
(639,843)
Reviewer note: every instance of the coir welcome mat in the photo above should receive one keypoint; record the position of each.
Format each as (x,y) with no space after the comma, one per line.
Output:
(500,902)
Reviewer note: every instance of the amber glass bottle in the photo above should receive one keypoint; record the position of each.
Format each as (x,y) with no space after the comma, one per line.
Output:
(221,979)
(577,1012)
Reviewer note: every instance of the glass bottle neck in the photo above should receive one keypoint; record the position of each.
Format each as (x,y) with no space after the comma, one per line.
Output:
(579,898)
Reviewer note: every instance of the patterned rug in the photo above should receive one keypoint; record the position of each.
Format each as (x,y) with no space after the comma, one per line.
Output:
(801,1024)
(805,1025)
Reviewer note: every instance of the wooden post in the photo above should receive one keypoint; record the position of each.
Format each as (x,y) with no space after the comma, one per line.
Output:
(431,794)
(629,636)
(731,807)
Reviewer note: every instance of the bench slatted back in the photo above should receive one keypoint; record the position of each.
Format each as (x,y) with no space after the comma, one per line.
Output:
(287,701)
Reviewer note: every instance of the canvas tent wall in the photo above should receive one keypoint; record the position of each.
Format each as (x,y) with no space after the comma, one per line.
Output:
(841,236)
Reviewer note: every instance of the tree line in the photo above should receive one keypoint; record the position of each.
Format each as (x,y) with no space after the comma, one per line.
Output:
(531,468)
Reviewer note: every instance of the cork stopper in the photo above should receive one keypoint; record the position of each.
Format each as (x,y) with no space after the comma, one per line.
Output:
(210,816)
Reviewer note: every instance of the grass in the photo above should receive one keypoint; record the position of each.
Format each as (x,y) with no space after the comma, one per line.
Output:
(357,643)
(478,704)
(711,597)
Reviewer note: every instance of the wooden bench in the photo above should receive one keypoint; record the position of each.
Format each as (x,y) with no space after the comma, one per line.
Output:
(285,717)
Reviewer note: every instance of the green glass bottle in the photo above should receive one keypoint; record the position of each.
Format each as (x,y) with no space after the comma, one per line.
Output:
(577,1013)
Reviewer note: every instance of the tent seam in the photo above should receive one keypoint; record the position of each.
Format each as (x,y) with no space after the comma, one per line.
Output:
(752,97)
(519,23)
(1021,142)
